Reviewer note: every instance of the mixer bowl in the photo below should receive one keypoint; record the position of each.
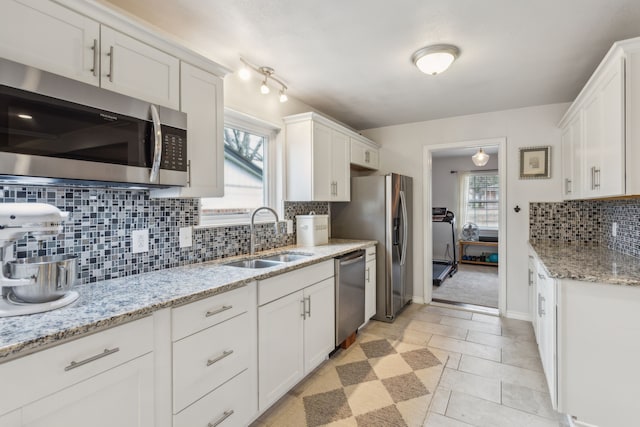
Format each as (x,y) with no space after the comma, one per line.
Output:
(53,277)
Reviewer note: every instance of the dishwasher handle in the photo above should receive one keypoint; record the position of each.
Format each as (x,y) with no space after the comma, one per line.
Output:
(351,258)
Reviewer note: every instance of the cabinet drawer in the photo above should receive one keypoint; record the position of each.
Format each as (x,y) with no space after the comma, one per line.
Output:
(194,317)
(45,372)
(203,361)
(228,406)
(276,287)
(370,253)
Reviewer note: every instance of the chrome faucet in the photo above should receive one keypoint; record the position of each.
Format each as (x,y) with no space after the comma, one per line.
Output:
(252,246)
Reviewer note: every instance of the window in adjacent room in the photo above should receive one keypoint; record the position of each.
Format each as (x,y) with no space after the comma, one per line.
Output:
(479,196)
(248,165)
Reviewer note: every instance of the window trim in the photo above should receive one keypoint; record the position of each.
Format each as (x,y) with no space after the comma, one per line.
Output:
(273,164)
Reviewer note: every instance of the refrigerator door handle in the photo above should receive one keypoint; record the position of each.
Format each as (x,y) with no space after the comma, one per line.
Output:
(405,227)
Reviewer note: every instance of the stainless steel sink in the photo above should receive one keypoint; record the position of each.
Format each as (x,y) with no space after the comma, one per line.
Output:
(286,257)
(269,260)
(254,263)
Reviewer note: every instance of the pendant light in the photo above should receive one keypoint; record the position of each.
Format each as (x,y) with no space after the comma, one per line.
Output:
(480,158)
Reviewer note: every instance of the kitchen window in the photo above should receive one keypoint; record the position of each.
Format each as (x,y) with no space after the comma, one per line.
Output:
(479,199)
(250,167)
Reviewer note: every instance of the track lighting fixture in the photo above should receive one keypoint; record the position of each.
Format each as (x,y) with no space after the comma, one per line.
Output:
(267,72)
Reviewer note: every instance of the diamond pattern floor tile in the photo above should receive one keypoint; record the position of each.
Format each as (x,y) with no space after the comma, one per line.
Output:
(323,408)
(355,373)
(404,387)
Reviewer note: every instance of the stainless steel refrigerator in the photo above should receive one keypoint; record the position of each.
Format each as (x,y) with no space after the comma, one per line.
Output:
(381,209)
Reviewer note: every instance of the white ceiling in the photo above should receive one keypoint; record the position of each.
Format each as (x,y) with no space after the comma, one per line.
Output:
(351,58)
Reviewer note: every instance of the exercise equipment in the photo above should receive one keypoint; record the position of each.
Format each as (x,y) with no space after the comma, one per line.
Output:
(445,268)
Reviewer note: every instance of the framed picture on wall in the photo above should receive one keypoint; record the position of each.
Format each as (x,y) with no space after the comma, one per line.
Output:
(535,162)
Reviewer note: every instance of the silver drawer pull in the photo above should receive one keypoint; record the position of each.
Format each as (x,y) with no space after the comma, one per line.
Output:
(219,358)
(541,276)
(105,353)
(224,416)
(218,311)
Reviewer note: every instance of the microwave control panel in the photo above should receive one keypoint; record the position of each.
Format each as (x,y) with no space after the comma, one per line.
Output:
(174,152)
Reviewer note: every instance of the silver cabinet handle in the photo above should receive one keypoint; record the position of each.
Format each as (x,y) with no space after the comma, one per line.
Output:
(567,186)
(304,311)
(157,146)
(94,69)
(539,314)
(309,309)
(219,421)
(597,176)
(367,279)
(542,300)
(110,55)
(367,157)
(541,276)
(105,353)
(218,310)
(530,277)
(224,354)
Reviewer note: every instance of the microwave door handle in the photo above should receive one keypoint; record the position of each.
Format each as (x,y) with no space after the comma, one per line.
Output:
(405,228)
(157,150)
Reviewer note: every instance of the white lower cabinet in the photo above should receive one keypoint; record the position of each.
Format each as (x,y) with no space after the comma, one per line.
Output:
(214,360)
(370,284)
(122,396)
(104,379)
(296,331)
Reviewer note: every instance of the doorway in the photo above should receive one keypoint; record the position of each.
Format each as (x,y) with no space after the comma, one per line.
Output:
(465,225)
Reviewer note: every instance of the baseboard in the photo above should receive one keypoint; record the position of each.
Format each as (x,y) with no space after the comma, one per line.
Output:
(519,315)
(418,300)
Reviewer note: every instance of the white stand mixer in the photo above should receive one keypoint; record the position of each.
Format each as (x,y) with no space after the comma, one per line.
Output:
(40,221)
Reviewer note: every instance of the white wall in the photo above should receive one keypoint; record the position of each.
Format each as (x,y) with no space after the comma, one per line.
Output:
(402,152)
(445,193)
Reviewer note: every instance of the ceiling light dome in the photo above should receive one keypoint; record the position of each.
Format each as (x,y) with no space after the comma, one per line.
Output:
(435,59)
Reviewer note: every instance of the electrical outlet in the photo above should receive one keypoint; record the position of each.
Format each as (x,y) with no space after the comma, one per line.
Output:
(289,226)
(614,229)
(186,237)
(139,241)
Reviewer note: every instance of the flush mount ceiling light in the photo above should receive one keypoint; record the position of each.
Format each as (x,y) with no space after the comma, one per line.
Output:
(267,73)
(480,158)
(435,59)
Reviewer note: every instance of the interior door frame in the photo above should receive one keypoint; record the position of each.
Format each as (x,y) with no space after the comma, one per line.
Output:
(428,150)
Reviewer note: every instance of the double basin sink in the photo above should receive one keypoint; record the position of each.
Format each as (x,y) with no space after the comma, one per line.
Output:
(268,260)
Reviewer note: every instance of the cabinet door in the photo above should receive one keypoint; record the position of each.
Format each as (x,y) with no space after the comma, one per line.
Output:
(533,294)
(122,396)
(572,158)
(340,172)
(604,136)
(50,37)
(280,347)
(136,69)
(370,290)
(319,324)
(323,182)
(549,325)
(202,100)
(363,155)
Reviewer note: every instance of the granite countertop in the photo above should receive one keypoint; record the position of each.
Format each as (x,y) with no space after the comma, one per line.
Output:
(587,263)
(112,302)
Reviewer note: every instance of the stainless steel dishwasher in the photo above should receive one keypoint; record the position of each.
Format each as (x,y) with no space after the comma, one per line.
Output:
(349,271)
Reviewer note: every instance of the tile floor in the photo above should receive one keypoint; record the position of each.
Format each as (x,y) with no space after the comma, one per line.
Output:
(492,375)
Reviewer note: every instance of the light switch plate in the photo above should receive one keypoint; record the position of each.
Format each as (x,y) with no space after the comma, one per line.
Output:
(186,237)
(289,226)
(614,229)
(139,241)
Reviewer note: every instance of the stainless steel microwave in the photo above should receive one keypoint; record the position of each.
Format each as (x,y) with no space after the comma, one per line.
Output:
(55,129)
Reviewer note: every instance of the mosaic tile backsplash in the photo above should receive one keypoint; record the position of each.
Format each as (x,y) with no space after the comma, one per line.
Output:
(100,222)
(584,221)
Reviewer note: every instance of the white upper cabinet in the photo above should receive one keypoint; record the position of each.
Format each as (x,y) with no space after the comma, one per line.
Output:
(50,37)
(600,136)
(318,158)
(201,96)
(572,154)
(364,153)
(136,69)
